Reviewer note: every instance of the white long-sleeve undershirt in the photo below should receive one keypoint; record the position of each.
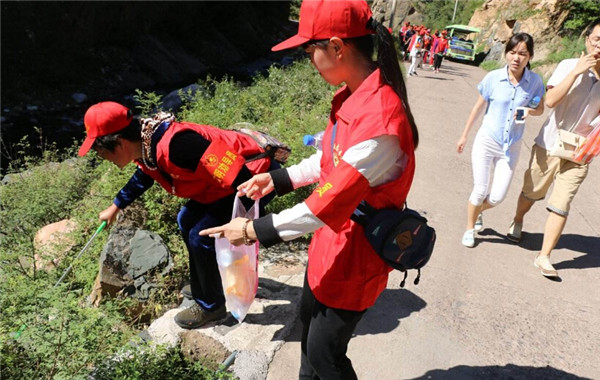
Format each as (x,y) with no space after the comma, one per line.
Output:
(379,160)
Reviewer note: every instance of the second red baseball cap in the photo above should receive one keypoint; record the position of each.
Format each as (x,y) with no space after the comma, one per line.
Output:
(323,19)
(103,119)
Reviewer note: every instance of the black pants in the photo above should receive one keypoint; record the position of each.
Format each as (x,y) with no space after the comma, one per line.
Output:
(325,335)
(438,61)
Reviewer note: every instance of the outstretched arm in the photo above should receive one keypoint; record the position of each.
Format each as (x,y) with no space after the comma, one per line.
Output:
(370,163)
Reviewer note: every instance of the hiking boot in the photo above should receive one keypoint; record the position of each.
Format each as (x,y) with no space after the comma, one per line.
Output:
(468,239)
(194,316)
(514,232)
(186,291)
(543,262)
(479,223)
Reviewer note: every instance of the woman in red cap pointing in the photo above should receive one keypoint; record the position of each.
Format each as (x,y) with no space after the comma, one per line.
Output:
(201,163)
(367,154)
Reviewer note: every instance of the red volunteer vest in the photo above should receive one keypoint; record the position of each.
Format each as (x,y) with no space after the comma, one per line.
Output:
(441,46)
(218,167)
(343,270)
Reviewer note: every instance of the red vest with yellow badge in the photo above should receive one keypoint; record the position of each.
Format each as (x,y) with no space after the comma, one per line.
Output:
(343,269)
(218,167)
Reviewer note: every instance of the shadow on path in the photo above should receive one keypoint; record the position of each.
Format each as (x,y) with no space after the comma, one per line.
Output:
(453,70)
(436,78)
(391,306)
(490,235)
(507,372)
(278,313)
(574,242)
(590,245)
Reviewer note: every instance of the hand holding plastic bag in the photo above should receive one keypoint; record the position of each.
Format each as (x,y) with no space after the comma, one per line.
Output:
(238,267)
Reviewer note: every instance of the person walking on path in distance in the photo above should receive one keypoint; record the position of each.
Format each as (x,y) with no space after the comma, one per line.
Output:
(440,51)
(416,51)
(569,95)
(408,34)
(367,154)
(498,142)
(199,162)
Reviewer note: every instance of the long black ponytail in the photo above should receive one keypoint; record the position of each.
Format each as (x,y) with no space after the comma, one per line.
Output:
(387,61)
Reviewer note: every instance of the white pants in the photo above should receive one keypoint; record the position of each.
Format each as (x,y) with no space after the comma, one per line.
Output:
(415,61)
(485,155)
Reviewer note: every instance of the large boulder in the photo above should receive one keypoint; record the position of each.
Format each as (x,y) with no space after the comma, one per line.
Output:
(51,244)
(129,263)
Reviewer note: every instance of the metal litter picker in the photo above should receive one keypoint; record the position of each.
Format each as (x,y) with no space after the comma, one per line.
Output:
(68,270)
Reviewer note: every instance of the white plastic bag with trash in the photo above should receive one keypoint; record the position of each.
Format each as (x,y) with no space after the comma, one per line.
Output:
(238,267)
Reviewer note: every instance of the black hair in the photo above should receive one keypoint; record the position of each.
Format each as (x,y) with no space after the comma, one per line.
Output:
(517,39)
(591,27)
(132,132)
(387,61)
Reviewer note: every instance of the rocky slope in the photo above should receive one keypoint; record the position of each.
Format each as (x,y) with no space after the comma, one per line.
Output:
(500,19)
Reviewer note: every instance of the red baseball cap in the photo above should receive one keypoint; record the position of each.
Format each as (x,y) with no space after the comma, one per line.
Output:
(103,119)
(323,19)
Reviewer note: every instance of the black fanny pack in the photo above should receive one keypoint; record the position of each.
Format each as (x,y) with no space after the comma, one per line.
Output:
(401,238)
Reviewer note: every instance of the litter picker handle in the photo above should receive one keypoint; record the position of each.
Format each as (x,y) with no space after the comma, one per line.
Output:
(80,252)
(18,334)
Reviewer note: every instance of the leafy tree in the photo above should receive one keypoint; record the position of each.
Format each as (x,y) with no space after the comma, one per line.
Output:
(581,14)
(438,13)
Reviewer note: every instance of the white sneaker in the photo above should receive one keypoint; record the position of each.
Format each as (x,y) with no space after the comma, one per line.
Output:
(479,223)
(468,239)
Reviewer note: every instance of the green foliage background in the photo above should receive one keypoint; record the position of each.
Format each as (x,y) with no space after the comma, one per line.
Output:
(581,14)
(63,337)
(438,13)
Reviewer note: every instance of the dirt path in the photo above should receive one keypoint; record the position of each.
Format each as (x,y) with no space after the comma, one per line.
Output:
(485,312)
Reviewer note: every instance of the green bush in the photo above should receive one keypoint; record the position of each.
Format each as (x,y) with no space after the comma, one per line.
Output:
(289,103)
(154,363)
(490,65)
(61,336)
(581,14)
(569,48)
(437,14)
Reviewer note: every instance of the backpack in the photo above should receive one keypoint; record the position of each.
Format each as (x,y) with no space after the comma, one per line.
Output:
(401,238)
(273,148)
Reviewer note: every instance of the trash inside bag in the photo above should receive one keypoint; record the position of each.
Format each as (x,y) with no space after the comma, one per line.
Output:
(238,267)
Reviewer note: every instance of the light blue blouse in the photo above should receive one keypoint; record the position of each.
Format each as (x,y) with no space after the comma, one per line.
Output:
(502,98)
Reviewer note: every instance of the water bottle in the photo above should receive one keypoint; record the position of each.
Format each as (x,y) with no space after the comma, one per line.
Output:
(314,140)
(534,102)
